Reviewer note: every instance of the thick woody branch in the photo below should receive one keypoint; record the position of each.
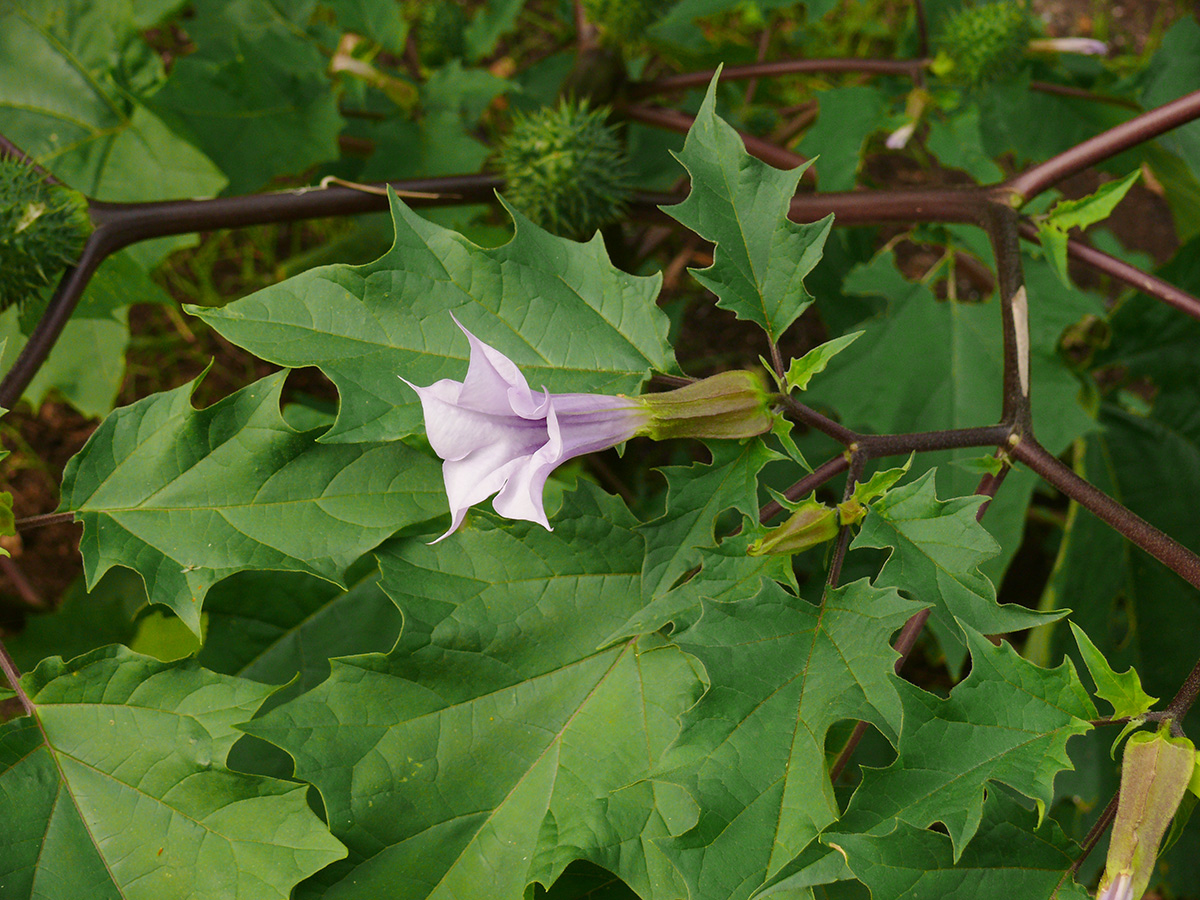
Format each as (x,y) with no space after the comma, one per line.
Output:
(119,225)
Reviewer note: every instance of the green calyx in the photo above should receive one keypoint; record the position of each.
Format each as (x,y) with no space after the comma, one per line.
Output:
(564,169)
(985,43)
(811,523)
(1156,771)
(43,228)
(732,404)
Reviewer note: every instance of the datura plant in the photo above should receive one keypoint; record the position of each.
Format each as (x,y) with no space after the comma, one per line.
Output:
(427,637)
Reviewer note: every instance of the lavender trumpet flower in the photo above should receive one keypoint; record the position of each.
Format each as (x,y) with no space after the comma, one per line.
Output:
(497,436)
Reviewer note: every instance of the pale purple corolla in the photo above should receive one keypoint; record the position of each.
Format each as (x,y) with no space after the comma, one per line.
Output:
(1084,46)
(899,138)
(495,435)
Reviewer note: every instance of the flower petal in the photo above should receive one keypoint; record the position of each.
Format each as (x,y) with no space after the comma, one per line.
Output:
(494,384)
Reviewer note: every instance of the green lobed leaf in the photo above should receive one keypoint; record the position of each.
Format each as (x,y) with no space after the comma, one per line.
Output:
(255,95)
(1173,72)
(559,309)
(847,117)
(727,572)
(1007,722)
(752,751)
(937,546)
(741,204)
(83,621)
(117,787)
(696,496)
(1008,857)
(495,744)
(1123,691)
(283,627)
(186,497)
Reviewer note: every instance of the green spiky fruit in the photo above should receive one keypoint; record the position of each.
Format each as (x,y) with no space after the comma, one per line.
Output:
(565,170)
(440,32)
(623,21)
(986,43)
(42,231)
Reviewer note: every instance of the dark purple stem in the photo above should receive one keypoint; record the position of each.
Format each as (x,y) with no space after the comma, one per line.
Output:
(1150,285)
(907,68)
(10,150)
(120,224)
(1137,130)
(806,485)
(857,461)
(1186,696)
(1001,226)
(13,675)
(28,523)
(1162,547)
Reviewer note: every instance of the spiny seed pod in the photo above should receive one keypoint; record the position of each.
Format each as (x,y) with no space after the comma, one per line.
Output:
(565,170)
(623,21)
(43,227)
(440,32)
(986,43)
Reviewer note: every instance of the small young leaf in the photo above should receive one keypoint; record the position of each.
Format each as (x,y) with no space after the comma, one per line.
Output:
(1095,207)
(867,492)
(1123,691)
(801,371)
(1081,213)
(741,204)
(781,428)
